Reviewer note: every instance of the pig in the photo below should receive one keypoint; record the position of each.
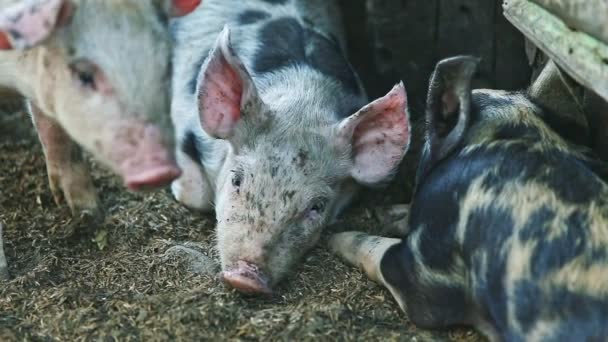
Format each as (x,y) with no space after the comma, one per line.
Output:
(508,225)
(95,74)
(274,130)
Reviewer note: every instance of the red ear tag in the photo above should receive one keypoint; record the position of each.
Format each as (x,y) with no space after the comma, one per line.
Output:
(5,44)
(183,7)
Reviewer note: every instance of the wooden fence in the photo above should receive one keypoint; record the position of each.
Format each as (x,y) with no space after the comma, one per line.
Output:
(392,40)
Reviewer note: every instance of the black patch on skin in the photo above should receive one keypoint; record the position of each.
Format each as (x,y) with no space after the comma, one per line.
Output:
(428,305)
(273,171)
(252,16)
(194,148)
(515,131)
(301,159)
(275,2)
(328,58)
(551,254)
(563,173)
(280,45)
(581,317)
(526,297)
(284,42)
(488,229)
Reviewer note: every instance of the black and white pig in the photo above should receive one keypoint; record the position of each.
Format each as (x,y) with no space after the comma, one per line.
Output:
(508,224)
(96,74)
(275,131)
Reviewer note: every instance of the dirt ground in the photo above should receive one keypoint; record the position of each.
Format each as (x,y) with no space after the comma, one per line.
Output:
(114,281)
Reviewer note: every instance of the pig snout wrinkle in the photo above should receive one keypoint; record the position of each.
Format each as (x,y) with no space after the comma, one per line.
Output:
(246,277)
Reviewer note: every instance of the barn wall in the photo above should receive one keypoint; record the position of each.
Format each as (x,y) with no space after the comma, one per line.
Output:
(392,40)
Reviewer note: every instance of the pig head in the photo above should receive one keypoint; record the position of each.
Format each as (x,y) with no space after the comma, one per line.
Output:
(100,71)
(283,180)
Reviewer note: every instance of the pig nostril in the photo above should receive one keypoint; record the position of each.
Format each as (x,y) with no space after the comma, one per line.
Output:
(246,278)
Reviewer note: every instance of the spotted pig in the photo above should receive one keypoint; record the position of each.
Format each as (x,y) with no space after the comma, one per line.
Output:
(508,224)
(275,131)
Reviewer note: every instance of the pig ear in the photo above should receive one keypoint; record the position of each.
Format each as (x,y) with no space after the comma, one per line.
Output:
(226,91)
(180,8)
(28,23)
(449,104)
(379,134)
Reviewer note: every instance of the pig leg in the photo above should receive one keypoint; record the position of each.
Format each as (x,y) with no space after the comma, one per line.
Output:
(3,264)
(394,219)
(431,298)
(192,189)
(69,176)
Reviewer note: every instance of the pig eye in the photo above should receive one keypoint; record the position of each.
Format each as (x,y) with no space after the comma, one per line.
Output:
(85,72)
(237,179)
(318,206)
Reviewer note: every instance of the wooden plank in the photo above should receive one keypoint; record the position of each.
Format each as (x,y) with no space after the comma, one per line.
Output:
(403,35)
(589,16)
(511,69)
(579,54)
(467,27)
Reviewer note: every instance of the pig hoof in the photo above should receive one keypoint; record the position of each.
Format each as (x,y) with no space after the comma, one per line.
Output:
(394,219)
(82,222)
(196,260)
(246,278)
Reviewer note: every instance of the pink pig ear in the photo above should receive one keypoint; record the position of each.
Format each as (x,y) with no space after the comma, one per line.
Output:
(379,134)
(226,91)
(28,23)
(183,7)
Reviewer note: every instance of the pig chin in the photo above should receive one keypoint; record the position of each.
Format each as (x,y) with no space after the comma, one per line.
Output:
(141,156)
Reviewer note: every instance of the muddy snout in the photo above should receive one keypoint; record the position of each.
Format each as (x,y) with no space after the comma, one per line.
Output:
(149,162)
(247,278)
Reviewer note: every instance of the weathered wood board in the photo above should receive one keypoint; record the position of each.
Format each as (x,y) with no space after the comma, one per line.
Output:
(589,16)
(582,56)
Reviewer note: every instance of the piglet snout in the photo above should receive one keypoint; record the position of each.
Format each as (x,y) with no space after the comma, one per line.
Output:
(150,163)
(247,278)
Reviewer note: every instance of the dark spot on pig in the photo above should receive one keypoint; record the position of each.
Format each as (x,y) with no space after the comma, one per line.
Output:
(550,254)
(15,34)
(189,146)
(275,2)
(511,131)
(435,303)
(301,159)
(287,195)
(536,227)
(326,56)
(284,42)
(280,45)
(252,16)
(161,14)
(526,311)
